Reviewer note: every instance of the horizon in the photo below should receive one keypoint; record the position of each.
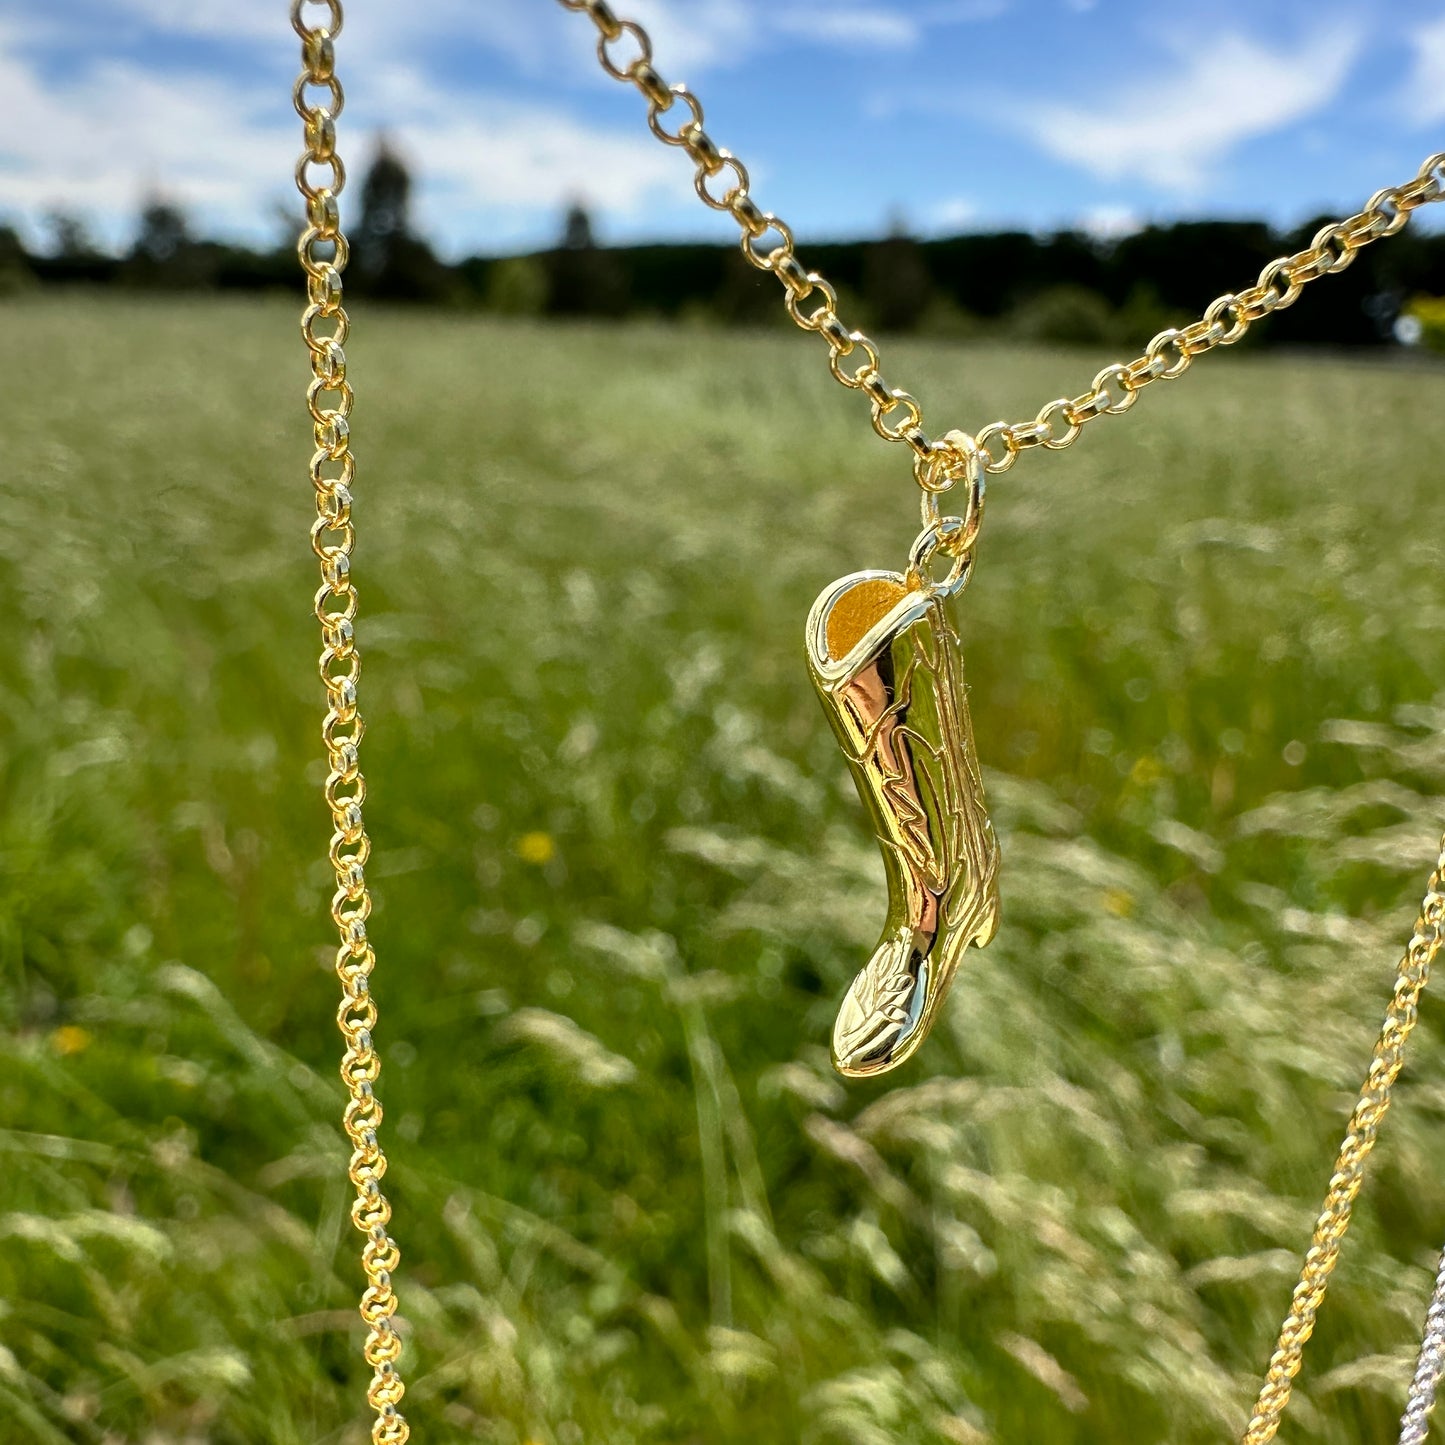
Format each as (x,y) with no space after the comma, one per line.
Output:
(40,242)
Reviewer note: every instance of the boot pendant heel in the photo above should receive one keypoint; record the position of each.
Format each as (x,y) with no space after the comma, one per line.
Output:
(884,655)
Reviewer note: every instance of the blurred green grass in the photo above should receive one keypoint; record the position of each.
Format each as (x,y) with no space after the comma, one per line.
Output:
(622,879)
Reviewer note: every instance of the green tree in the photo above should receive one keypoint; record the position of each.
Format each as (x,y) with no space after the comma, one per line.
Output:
(15,271)
(583,279)
(1065,316)
(164,232)
(390,259)
(70,238)
(164,253)
(897,284)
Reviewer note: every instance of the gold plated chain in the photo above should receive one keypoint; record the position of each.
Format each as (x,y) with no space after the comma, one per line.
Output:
(722,182)
(324,324)
(1369,1113)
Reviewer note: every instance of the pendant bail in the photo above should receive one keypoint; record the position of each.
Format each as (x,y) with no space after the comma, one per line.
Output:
(954,458)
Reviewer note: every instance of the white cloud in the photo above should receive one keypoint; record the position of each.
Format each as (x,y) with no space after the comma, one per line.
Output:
(519,158)
(96,135)
(1425,89)
(953,214)
(692,36)
(533,35)
(113,132)
(204,17)
(833,25)
(1171,130)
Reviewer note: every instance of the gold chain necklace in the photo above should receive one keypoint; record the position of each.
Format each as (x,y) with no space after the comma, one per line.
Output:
(324,324)
(883,652)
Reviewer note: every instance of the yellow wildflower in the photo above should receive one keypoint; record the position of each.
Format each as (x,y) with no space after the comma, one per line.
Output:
(536,848)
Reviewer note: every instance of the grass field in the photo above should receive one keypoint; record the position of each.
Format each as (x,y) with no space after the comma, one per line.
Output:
(622,879)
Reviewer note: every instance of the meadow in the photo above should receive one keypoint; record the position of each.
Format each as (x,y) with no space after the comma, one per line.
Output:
(622,879)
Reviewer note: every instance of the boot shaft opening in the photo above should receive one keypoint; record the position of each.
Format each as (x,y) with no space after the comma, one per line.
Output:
(863,605)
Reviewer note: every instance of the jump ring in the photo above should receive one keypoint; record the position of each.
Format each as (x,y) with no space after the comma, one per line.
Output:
(939,537)
(959,540)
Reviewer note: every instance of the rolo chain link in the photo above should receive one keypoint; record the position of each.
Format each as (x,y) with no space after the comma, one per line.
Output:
(722,182)
(324,324)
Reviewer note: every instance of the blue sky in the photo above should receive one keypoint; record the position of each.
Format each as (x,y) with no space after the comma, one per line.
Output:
(953,114)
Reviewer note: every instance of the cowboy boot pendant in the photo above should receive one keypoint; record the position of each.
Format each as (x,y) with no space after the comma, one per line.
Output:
(885,658)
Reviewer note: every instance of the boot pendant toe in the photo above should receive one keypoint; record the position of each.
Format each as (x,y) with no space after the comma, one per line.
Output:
(887,665)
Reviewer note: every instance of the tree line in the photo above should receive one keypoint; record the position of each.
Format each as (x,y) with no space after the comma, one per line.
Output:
(1065,287)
